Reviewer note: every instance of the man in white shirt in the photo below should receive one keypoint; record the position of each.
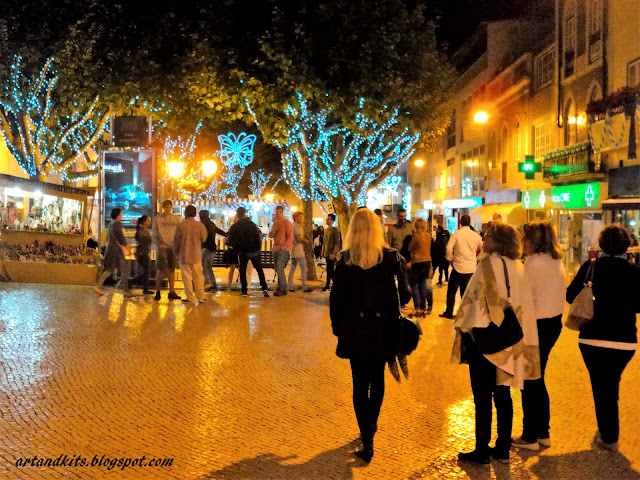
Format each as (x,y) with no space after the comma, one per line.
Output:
(462,249)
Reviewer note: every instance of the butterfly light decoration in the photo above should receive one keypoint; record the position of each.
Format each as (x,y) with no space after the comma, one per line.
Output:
(391,184)
(236,151)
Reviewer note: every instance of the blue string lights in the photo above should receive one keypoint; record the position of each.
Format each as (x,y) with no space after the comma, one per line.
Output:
(344,162)
(259,182)
(42,142)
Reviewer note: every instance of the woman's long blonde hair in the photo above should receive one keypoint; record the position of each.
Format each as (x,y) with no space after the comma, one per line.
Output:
(365,240)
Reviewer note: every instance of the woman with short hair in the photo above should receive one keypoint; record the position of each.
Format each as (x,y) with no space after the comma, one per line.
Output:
(609,340)
(364,310)
(544,278)
(483,303)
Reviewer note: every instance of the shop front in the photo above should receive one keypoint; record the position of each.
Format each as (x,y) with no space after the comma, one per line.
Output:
(575,211)
(42,235)
(453,209)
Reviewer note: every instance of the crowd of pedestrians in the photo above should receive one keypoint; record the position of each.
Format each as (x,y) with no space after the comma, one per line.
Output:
(512,288)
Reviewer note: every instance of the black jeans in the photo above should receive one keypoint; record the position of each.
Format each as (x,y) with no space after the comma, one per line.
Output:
(331,267)
(535,398)
(605,366)
(457,280)
(145,265)
(483,386)
(257,265)
(443,268)
(368,393)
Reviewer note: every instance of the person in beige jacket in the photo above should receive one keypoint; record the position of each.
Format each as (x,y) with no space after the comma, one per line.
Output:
(420,273)
(187,246)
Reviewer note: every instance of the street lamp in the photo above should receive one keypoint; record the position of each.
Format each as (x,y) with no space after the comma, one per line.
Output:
(209,168)
(481,117)
(269,197)
(419,163)
(175,168)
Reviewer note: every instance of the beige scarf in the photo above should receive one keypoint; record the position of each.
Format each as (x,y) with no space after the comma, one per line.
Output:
(482,304)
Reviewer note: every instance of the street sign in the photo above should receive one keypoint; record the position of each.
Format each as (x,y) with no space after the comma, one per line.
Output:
(529,167)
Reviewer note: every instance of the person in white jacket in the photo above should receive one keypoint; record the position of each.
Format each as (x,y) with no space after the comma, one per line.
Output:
(492,374)
(544,276)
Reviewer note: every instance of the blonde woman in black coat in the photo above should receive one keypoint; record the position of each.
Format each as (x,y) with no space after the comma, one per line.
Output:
(364,310)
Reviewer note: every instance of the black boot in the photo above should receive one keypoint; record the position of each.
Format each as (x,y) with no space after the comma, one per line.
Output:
(366,452)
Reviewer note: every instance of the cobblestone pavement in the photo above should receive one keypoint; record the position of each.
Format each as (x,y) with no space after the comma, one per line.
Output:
(250,388)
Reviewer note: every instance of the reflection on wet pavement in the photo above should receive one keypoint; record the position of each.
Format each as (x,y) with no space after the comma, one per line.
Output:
(251,388)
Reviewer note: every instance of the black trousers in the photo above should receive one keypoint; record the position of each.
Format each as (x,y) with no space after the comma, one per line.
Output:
(257,265)
(457,280)
(443,267)
(605,366)
(331,268)
(535,398)
(483,385)
(145,265)
(368,393)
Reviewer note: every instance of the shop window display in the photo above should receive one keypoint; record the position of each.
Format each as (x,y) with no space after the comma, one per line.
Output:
(34,210)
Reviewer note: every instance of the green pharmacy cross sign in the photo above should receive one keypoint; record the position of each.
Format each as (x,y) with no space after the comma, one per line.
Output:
(529,167)
(584,196)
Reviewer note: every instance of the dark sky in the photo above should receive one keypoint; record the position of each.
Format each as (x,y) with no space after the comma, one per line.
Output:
(458,19)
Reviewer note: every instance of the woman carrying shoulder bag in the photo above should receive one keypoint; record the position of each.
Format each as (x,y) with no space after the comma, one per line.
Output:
(497,338)
(609,340)
(544,278)
(365,312)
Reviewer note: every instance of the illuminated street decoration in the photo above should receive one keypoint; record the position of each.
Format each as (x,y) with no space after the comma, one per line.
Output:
(406,200)
(42,142)
(236,151)
(344,162)
(391,184)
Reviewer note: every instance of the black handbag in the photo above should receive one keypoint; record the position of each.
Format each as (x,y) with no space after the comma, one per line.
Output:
(407,336)
(494,338)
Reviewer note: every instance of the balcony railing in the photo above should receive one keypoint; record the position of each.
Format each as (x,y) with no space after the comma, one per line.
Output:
(573,160)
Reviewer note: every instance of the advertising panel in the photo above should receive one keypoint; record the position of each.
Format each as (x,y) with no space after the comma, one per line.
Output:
(129,184)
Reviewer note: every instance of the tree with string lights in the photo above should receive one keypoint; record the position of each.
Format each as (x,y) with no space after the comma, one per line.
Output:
(43,142)
(342,162)
(260,181)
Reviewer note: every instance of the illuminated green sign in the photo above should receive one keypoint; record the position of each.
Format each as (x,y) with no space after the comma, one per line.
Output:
(529,167)
(583,196)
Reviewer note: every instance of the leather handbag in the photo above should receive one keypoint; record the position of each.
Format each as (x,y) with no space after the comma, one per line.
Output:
(581,311)
(494,338)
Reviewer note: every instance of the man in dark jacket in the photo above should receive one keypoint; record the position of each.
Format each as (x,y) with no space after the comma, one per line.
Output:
(208,250)
(244,237)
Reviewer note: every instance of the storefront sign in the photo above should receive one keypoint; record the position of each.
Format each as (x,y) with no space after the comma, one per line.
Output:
(427,204)
(502,196)
(471,202)
(583,196)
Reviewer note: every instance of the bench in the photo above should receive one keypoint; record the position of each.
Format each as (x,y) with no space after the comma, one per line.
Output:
(266,258)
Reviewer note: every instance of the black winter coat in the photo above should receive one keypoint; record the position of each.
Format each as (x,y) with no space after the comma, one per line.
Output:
(364,306)
(615,289)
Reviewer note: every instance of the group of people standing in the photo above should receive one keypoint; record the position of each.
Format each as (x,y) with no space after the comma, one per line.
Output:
(191,245)
(372,282)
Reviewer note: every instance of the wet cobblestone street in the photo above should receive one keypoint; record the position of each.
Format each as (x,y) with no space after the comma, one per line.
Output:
(250,388)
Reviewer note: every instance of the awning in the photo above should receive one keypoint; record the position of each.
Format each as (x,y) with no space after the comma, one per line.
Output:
(621,204)
(512,213)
